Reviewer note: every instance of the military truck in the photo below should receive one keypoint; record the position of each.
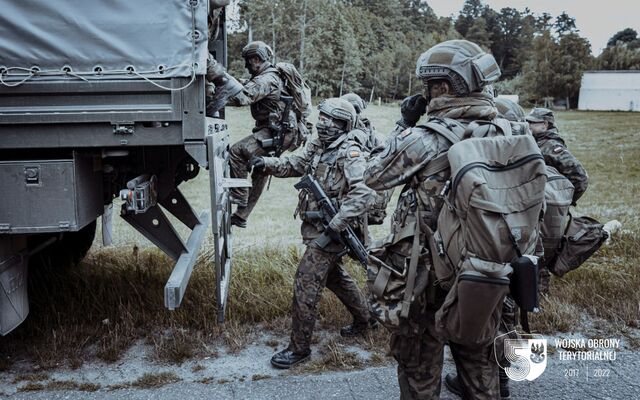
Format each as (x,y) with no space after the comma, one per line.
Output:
(104,100)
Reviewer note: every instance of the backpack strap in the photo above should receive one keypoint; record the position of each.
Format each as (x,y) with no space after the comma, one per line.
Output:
(438,126)
(437,165)
(413,268)
(441,162)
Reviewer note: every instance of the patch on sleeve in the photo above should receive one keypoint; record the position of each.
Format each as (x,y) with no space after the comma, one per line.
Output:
(354,154)
(558,149)
(404,133)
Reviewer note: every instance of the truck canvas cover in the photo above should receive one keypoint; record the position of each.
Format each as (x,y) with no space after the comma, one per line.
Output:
(98,39)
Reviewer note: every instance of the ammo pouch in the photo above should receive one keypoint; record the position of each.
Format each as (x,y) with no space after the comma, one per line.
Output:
(396,275)
(584,237)
(470,314)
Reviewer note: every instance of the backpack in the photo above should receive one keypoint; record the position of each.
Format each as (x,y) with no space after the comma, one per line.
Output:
(568,241)
(396,271)
(583,237)
(558,196)
(487,230)
(297,88)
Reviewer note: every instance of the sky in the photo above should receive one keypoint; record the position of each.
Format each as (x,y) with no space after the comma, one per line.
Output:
(596,20)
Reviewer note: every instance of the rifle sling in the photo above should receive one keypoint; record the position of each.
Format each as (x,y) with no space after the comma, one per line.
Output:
(380,284)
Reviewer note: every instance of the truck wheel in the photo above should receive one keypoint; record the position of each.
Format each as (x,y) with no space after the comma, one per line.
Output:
(68,250)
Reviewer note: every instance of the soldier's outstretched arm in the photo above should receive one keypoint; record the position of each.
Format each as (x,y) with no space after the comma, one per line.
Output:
(255,90)
(292,165)
(359,197)
(403,156)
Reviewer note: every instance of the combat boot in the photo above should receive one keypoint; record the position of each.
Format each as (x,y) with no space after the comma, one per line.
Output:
(358,328)
(287,358)
(238,221)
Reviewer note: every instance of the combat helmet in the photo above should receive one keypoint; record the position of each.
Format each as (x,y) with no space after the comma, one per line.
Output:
(356,101)
(462,63)
(341,110)
(509,109)
(257,48)
(540,114)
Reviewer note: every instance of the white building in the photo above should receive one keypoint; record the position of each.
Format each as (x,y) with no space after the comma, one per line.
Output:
(610,91)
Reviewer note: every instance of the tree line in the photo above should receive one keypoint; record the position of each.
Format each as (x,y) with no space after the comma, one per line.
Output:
(370,46)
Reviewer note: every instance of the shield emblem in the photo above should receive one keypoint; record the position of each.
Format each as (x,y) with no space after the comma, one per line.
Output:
(525,355)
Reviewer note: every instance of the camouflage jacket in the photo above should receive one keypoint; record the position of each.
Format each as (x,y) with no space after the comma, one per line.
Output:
(402,162)
(262,92)
(558,156)
(338,168)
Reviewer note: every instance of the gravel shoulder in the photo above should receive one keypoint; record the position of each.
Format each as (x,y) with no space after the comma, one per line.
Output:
(248,375)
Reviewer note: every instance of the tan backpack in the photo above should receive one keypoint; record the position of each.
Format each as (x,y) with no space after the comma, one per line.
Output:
(490,222)
(558,197)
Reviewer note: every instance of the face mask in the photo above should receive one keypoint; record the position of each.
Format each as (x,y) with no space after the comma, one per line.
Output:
(327,132)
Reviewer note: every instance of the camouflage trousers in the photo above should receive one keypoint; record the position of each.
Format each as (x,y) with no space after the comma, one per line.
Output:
(419,351)
(318,269)
(508,324)
(544,276)
(240,154)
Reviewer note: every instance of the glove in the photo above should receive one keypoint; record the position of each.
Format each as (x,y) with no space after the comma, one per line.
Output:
(412,108)
(257,163)
(333,234)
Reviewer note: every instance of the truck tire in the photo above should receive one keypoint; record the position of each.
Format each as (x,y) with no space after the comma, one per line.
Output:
(67,251)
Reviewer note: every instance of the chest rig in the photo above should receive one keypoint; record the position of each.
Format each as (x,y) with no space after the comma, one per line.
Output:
(325,167)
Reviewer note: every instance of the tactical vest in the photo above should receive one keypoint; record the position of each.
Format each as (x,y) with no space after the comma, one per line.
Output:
(326,166)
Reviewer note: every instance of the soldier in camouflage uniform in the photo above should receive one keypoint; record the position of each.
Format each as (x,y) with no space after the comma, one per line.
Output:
(262,92)
(336,159)
(453,74)
(542,124)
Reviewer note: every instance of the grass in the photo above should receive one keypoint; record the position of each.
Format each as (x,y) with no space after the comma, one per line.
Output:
(333,357)
(148,381)
(115,297)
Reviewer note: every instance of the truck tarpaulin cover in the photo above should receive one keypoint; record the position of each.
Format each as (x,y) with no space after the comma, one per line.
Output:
(152,36)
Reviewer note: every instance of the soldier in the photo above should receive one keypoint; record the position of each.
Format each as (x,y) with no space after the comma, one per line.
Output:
(453,79)
(512,112)
(542,124)
(363,123)
(263,93)
(336,159)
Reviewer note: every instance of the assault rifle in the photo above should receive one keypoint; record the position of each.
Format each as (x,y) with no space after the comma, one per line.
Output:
(277,142)
(327,212)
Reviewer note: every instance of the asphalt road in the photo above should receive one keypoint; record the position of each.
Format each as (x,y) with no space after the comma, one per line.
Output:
(617,379)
